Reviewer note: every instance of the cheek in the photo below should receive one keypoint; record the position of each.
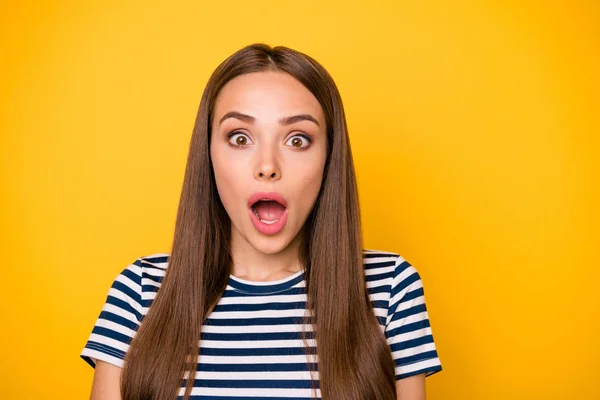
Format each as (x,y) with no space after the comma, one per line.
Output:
(228,182)
(309,183)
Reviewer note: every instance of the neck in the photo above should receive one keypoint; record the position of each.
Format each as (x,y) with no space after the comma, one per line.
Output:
(251,264)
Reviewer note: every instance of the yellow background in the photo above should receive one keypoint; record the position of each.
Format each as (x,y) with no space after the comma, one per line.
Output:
(474,127)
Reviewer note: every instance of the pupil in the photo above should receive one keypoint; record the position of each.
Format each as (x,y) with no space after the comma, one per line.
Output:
(241,140)
(296,142)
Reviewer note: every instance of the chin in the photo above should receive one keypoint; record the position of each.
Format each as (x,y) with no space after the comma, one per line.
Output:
(270,245)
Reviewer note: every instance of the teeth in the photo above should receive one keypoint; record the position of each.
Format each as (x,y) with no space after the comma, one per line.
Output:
(262,220)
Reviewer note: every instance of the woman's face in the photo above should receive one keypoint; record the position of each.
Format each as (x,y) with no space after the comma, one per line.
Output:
(268,141)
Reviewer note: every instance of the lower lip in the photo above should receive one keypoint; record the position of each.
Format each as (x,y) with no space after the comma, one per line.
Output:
(268,229)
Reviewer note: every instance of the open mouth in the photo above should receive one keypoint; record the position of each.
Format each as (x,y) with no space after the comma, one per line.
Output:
(268,211)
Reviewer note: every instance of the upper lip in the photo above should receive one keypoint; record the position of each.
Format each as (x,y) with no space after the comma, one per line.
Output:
(274,196)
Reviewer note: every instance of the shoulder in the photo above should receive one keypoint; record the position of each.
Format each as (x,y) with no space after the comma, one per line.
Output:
(390,269)
(141,279)
(153,264)
(152,269)
(384,262)
(147,266)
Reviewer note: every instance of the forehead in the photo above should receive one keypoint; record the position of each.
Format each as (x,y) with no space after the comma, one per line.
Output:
(267,96)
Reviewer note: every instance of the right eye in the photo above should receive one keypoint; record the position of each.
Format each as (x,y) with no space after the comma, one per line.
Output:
(239,139)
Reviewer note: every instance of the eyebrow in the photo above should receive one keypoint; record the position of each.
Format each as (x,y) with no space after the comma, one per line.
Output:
(283,121)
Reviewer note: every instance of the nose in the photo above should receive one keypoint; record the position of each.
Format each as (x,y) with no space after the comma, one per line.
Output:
(267,166)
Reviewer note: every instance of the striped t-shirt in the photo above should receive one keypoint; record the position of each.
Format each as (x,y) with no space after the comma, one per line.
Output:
(250,345)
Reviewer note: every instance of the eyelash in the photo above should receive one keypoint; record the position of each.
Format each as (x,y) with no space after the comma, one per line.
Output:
(233,133)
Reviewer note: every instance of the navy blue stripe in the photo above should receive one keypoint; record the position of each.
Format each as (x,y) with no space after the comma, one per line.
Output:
(412,278)
(126,290)
(155,260)
(132,276)
(381,304)
(416,358)
(154,278)
(409,311)
(378,254)
(234,337)
(289,292)
(146,303)
(267,351)
(123,305)
(413,294)
(105,349)
(407,297)
(405,328)
(428,372)
(255,383)
(117,319)
(294,305)
(381,264)
(379,289)
(287,367)
(412,343)
(203,397)
(259,321)
(267,288)
(383,275)
(109,333)
(149,289)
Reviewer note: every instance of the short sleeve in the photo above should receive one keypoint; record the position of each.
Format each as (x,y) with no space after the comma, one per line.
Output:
(119,319)
(408,330)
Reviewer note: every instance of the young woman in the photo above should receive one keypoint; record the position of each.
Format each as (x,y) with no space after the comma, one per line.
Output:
(267,292)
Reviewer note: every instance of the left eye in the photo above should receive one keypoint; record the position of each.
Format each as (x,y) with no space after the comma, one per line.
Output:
(298,141)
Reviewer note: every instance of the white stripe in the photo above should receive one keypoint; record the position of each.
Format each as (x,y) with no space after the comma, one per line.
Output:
(228,393)
(150,282)
(122,296)
(121,312)
(258,376)
(256,344)
(255,359)
(257,314)
(104,323)
(256,328)
(413,350)
(115,344)
(408,320)
(406,305)
(379,282)
(96,355)
(380,296)
(403,369)
(263,299)
(126,280)
(379,259)
(403,337)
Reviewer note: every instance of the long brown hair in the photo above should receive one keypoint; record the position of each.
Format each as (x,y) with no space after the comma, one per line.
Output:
(354,360)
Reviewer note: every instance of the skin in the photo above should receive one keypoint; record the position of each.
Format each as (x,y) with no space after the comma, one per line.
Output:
(263,155)
(272,157)
(107,378)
